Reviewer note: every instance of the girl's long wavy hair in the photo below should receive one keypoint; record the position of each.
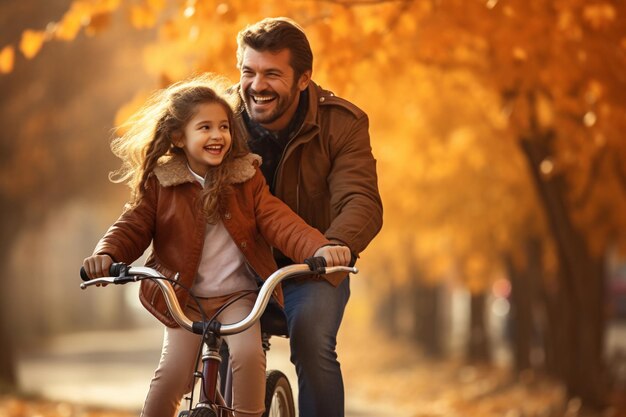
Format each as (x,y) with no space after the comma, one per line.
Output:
(150,135)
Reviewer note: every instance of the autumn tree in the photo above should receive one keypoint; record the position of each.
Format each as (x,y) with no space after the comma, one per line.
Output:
(565,95)
(57,114)
(459,198)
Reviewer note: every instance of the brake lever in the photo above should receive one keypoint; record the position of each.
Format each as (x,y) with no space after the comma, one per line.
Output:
(97,281)
(110,280)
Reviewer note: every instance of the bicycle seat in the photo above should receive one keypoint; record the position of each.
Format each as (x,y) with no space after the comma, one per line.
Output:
(274,321)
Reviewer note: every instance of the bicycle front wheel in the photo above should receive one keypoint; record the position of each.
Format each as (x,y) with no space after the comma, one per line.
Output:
(202,412)
(278,396)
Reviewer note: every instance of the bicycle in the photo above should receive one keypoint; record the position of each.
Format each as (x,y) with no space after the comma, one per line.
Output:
(214,398)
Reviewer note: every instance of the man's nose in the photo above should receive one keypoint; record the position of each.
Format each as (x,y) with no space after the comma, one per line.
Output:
(258,83)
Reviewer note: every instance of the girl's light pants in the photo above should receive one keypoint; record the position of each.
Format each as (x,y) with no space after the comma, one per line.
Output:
(173,377)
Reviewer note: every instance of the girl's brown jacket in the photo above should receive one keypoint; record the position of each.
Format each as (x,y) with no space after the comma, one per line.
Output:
(169,217)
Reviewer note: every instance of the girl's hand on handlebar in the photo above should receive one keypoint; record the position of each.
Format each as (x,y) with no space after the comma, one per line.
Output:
(97,266)
(335,255)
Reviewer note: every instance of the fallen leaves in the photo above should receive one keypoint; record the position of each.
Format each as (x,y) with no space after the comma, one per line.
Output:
(15,406)
(399,374)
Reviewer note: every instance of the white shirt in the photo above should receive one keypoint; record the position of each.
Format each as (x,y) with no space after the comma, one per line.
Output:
(223,268)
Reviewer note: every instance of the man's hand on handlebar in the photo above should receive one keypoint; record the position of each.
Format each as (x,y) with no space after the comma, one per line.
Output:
(97,266)
(335,255)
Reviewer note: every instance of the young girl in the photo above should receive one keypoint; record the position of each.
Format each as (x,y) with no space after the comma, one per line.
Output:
(199,197)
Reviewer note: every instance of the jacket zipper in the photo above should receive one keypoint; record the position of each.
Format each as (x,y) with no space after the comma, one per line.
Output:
(279,166)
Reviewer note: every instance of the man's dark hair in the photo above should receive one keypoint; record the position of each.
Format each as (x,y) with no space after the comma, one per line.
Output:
(275,34)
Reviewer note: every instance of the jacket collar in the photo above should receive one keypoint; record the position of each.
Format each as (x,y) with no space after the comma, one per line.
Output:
(174,170)
(310,120)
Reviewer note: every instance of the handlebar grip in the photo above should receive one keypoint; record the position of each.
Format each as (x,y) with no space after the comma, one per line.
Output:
(115,270)
(118,269)
(316,264)
(83,274)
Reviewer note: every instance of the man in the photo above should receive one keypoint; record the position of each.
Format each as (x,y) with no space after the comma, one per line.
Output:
(317,158)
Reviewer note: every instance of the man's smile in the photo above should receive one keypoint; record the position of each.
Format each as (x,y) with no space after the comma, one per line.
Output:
(262,98)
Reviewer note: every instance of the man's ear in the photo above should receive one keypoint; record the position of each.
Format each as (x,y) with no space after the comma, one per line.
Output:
(303,81)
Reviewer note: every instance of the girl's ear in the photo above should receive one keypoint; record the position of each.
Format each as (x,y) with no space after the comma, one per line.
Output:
(178,139)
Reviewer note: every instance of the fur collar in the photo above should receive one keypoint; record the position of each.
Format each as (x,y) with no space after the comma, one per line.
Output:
(174,171)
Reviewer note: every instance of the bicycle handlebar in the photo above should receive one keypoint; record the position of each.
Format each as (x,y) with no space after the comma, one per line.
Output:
(122,274)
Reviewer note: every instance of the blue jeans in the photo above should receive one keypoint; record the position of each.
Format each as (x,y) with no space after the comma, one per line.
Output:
(314,312)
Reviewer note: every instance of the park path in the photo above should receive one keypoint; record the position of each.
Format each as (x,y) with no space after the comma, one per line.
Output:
(113,369)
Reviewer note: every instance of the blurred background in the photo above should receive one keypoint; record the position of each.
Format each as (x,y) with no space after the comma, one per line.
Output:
(498,283)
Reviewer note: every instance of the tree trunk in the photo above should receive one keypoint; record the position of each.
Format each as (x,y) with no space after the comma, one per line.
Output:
(8,374)
(582,287)
(8,378)
(387,311)
(559,322)
(427,322)
(478,349)
(526,306)
(520,318)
